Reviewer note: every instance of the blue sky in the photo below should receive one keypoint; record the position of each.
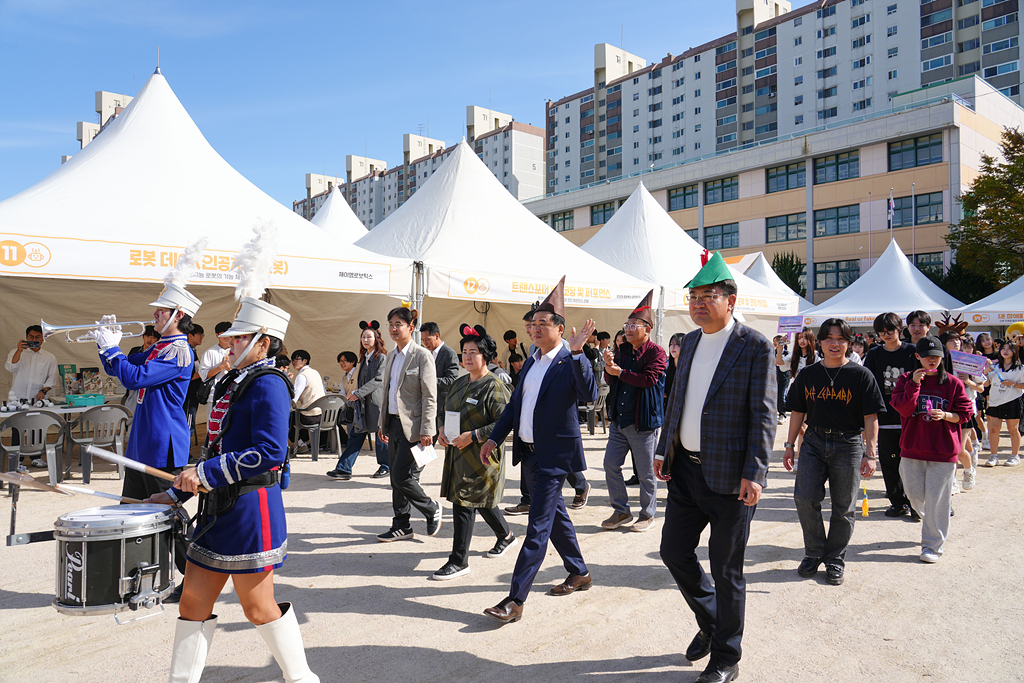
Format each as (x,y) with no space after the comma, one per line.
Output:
(283,89)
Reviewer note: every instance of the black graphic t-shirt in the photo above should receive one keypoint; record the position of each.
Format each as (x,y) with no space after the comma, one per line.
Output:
(887,366)
(836,398)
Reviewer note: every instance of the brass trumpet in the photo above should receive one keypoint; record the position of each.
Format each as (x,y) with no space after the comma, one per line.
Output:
(84,332)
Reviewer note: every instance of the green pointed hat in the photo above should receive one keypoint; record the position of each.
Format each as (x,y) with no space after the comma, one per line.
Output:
(714,270)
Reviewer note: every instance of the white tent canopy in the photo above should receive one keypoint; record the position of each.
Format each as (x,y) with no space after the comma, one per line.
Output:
(642,239)
(479,244)
(756,267)
(124,207)
(1004,307)
(335,217)
(894,284)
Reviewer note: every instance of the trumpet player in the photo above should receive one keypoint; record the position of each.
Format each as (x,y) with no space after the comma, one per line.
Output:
(160,434)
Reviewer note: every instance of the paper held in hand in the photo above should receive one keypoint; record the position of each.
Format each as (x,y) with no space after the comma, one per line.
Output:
(422,455)
(452,426)
(969,363)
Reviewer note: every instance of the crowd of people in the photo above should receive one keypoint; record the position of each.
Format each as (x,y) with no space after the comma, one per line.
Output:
(700,418)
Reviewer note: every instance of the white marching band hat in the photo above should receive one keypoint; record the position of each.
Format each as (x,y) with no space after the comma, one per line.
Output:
(176,297)
(255,315)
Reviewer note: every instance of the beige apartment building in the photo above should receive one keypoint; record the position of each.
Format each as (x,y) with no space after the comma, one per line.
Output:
(824,192)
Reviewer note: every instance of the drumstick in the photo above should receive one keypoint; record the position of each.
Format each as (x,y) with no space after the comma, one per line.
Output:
(133,465)
(101,494)
(18,479)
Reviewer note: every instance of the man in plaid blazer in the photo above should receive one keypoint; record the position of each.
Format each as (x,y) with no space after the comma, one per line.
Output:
(718,433)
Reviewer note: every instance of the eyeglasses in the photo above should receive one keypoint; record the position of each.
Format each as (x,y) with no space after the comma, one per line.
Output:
(633,327)
(396,326)
(705,298)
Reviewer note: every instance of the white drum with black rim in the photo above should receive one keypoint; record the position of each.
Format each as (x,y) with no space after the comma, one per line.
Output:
(111,559)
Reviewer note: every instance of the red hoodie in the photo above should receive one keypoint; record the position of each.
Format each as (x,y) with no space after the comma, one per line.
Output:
(923,438)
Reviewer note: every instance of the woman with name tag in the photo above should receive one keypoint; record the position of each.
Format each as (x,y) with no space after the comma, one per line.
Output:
(469,482)
(1006,379)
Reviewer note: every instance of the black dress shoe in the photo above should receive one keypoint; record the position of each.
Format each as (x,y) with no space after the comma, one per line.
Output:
(633,481)
(834,574)
(700,646)
(809,567)
(719,673)
(338,474)
(507,611)
(897,510)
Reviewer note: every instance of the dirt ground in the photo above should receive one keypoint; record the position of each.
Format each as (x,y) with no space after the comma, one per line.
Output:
(370,612)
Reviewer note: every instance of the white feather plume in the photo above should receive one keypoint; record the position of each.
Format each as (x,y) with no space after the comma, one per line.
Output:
(255,260)
(186,263)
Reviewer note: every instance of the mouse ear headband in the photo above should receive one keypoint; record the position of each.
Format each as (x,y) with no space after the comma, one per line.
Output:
(478,331)
(372,325)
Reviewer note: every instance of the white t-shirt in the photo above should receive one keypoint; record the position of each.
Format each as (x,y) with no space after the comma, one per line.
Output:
(33,371)
(1000,395)
(702,370)
(212,357)
(396,375)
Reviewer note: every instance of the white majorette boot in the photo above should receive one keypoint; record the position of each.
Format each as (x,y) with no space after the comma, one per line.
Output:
(285,643)
(191,644)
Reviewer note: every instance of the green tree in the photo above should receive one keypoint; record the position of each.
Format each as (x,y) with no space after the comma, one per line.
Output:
(960,283)
(989,241)
(790,269)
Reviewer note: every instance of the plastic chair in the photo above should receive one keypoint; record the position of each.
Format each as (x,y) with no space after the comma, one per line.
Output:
(33,426)
(330,409)
(597,409)
(103,427)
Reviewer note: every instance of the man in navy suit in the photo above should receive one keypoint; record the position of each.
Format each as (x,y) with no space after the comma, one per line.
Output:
(718,433)
(544,418)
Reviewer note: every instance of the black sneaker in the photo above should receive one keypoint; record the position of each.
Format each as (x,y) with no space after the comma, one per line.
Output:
(450,571)
(434,521)
(503,546)
(395,535)
(381,472)
(834,574)
(338,474)
(897,510)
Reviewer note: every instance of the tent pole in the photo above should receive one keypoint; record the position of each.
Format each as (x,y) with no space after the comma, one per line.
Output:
(661,317)
(418,276)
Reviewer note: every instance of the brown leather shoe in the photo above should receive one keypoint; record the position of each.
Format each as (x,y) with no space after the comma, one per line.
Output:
(573,583)
(580,499)
(506,611)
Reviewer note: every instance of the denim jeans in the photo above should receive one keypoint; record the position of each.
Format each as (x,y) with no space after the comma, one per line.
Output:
(834,459)
(355,443)
(620,441)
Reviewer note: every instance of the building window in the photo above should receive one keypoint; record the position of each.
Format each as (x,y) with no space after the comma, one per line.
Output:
(1000,69)
(915,152)
(903,212)
(929,208)
(724,190)
(968,45)
(891,31)
(722,236)
(836,167)
(999,21)
(799,120)
(836,274)
(968,22)
(693,234)
(600,213)
(683,198)
(841,220)
(787,177)
(930,262)
(785,228)
(562,221)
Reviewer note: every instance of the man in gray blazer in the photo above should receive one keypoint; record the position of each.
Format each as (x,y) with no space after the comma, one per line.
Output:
(718,433)
(446,366)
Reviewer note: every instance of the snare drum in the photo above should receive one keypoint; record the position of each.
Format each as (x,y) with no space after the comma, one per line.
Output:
(110,559)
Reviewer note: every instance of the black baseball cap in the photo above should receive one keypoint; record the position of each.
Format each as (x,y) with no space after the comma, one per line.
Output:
(929,346)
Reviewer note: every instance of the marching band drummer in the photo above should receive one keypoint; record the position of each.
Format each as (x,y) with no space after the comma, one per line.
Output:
(240,528)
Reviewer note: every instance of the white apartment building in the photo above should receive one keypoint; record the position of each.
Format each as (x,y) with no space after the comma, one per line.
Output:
(514,152)
(108,106)
(318,186)
(782,72)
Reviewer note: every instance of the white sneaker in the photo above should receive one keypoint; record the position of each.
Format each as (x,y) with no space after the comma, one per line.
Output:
(992,461)
(975,453)
(39,462)
(22,469)
(1013,461)
(969,478)
(985,443)
(956,486)
(930,556)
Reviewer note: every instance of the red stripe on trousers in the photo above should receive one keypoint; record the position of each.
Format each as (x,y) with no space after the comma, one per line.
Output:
(265,519)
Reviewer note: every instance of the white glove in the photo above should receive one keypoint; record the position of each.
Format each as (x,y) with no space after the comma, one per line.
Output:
(108,336)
